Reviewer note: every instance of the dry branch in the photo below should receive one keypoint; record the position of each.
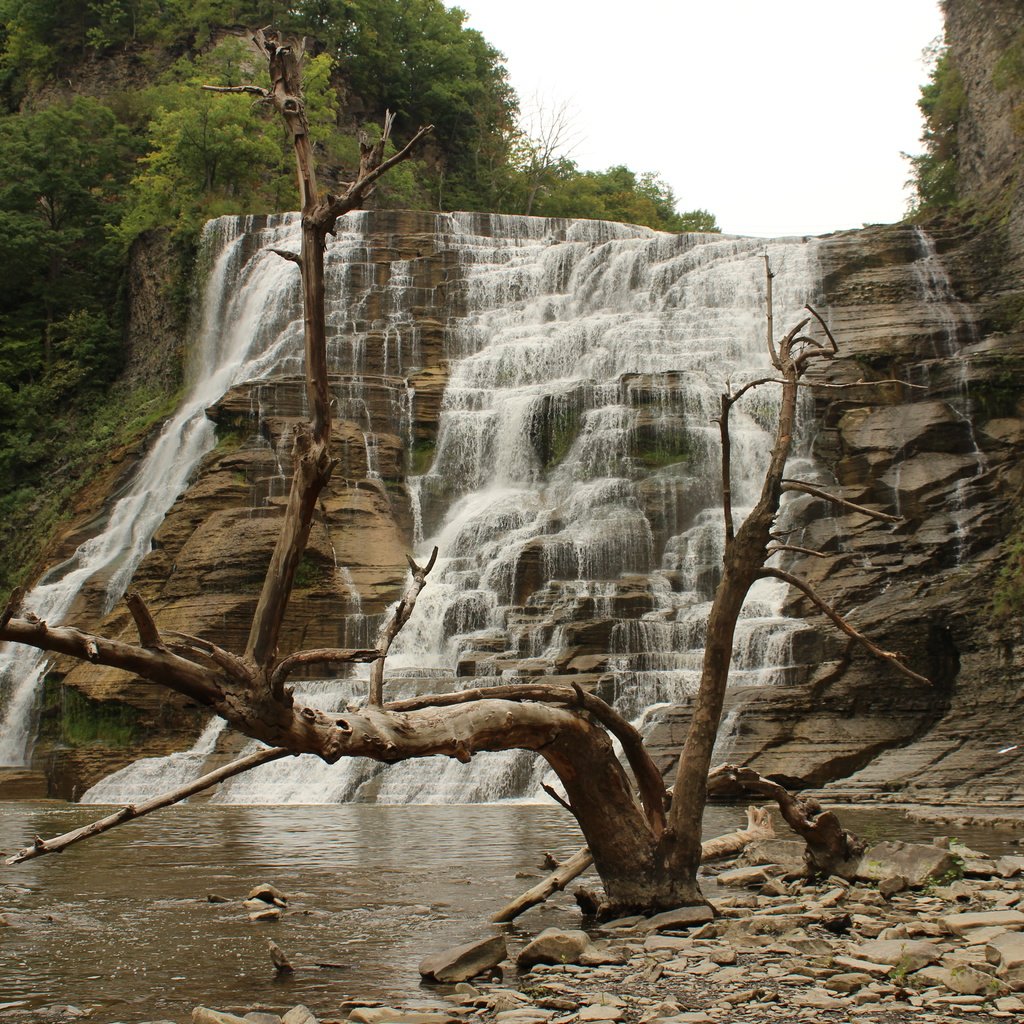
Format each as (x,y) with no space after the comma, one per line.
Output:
(830,848)
(393,624)
(805,588)
(817,492)
(132,811)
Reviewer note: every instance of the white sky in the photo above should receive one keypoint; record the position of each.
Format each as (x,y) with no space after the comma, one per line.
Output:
(782,118)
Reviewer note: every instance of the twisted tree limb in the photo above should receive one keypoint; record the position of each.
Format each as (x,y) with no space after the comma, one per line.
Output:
(132,811)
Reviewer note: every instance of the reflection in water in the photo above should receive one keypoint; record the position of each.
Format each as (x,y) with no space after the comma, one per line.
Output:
(122,923)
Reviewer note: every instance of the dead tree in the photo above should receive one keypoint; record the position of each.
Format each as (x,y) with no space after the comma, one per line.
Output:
(645,849)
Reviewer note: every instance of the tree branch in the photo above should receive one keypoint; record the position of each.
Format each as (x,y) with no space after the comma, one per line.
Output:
(393,625)
(149,635)
(320,656)
(817,492)
(132,811)
(158,666)
(806,589)
(255,90)
(287,254)
(796,548)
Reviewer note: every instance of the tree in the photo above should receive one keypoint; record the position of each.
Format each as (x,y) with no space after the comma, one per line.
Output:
(646,847)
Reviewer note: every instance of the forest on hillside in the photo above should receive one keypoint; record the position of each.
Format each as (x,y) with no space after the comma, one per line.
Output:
(107,136)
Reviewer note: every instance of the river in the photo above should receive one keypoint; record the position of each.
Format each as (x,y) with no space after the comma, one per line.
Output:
(121,925)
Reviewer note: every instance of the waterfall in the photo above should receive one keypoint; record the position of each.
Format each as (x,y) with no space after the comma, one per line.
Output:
(231,343)
(573,488)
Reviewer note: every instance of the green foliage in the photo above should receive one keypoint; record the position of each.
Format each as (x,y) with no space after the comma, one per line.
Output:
(934,172)
(71,718)
(619,194)
(1008,595)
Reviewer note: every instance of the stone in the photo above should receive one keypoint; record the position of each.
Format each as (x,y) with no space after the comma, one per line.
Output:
(501,999)
(903,954)
(598,1012)
(786,855)
(917,863)
(391,1015)
(681,917)
(213,897)
(257,1017)
(268,894)
(970,982)
(554,946)
(268,914)
(299,1015)
(753,876)
(862,966)
(204,1015)
(892,885)
(848,982)
(461,963)
(1006,950)
(1010,866)
(960,923)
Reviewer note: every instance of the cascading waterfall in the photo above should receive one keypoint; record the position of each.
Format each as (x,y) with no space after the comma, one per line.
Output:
(574,483)
(233,342)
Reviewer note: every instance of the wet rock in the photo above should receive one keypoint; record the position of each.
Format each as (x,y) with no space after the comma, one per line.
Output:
(279,958)
(554,946)
(917,863)
(268,914)
(268,894)
(214,897)
(466,961)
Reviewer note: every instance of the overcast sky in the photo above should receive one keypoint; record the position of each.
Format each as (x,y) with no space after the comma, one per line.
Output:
(782,118)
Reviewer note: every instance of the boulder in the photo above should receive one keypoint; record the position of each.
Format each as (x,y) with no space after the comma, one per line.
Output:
(554,946)
(466,961)
(917,863)
(785,854)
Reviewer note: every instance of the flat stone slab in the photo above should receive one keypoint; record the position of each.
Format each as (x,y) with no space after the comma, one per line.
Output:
(907,954)
(917,863)
(466,961)
(960,923)
(681,917)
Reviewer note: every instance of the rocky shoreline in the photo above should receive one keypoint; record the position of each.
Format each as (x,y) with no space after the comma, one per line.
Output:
(938,936)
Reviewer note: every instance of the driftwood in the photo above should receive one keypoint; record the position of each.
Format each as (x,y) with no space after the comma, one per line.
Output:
(831,849)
